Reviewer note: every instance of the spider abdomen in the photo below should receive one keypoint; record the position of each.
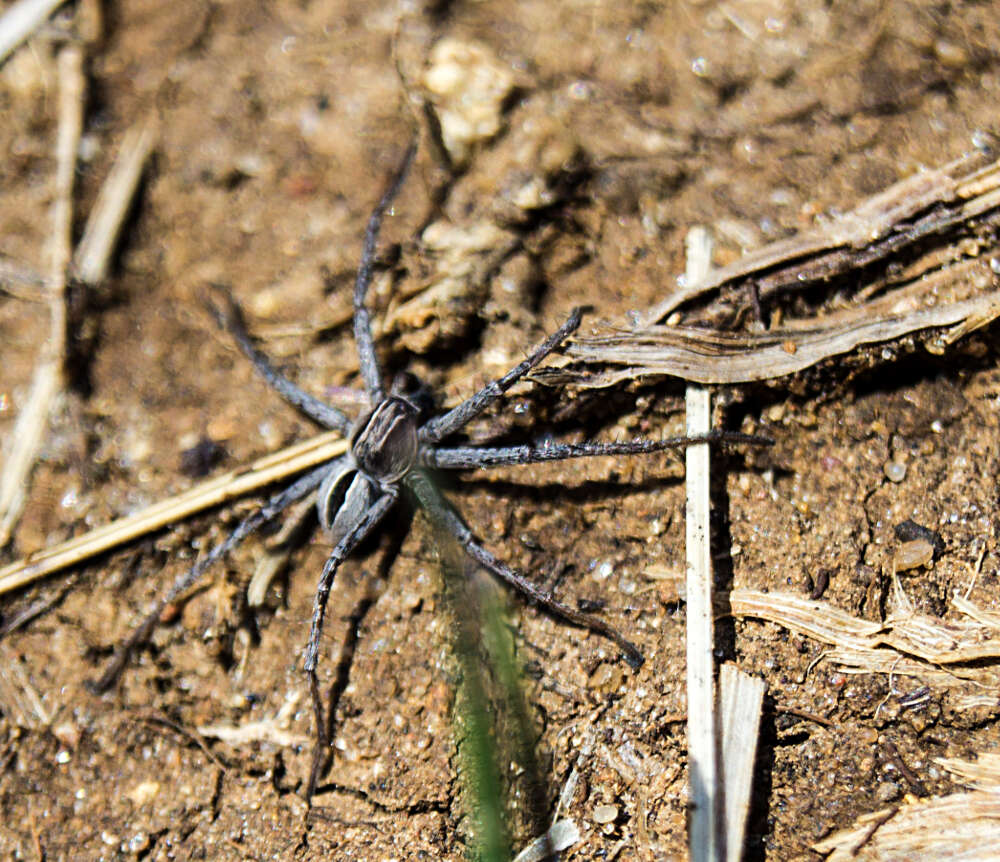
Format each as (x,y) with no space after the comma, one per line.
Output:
(384,443)
(344,497)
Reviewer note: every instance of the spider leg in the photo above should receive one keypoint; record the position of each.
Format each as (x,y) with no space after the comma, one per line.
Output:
(448,423)
(468,457)
(361,529)
(265,513)
(442,513)
(367,359)
(231,319)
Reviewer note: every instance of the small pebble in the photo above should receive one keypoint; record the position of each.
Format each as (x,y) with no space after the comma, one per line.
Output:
(138,842)
(867,736)
(951,54)
(895,471)
(468,85)
(605,814)
(144,792)
(908,530)
(887,791)
(607,678)
(67,733)
(910,555)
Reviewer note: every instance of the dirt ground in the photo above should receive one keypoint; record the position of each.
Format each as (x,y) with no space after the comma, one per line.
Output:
(630,123)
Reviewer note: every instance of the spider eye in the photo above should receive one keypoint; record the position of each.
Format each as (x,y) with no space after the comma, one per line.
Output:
(344,497)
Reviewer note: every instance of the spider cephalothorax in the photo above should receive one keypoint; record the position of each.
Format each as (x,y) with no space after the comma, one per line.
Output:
(384,444)
(384,449)
(391,450)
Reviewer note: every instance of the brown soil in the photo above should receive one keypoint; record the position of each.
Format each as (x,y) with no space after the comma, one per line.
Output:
(279,123)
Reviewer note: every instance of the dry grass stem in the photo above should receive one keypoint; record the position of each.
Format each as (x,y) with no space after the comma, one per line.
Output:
(910,633)
(909,266)
(944,654)
(741,701)
(270,730)
(560,836)
(32,421)
(93,253)
(20,701)
(279,550)
(703,836)
(958,826)
(707,356)
(214,492)
(890,662)
(21,20)
(569,787)
(926,203)
(983,773)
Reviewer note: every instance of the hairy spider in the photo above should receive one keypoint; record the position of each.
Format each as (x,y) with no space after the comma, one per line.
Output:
(391,448)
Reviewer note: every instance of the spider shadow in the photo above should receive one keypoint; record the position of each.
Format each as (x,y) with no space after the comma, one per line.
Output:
(588,491)
(599,490)
(725,645)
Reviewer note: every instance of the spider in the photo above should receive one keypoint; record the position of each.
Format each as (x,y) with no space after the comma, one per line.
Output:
(392,448)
